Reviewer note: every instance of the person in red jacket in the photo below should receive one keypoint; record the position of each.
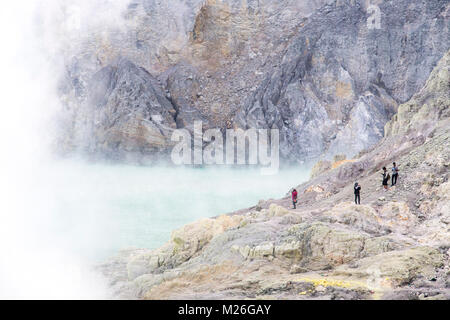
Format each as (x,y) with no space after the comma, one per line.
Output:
(294,197)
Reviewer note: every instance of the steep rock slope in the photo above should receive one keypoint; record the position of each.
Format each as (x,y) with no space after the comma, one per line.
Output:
(321,72)
(340,81)
(127,112)
(395,245)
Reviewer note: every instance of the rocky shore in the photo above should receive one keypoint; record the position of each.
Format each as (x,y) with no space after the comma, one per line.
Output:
(395,245)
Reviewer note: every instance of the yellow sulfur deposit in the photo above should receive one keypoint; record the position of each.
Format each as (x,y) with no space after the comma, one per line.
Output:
(332,283)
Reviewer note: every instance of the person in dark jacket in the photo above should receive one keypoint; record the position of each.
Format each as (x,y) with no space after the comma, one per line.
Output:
(394,174)
(386,178)
(294,198)
(357,188)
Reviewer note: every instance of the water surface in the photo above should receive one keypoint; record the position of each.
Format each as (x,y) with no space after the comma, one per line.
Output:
(98,209)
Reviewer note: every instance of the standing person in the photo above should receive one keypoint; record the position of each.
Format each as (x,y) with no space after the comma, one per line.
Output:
(394,174)
(294,198)
(357,188)
(386,178)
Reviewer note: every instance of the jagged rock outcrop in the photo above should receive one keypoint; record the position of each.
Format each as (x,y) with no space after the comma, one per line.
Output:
(126,114)
(395,245)
(429,105)
(182,88)
(316,70)
(340,81)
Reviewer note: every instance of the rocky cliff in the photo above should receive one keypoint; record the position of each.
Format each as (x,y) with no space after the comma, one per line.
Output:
(395,245)
(328,74)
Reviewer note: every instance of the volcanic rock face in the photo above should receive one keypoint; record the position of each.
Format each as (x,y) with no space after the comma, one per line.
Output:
(395,245)
(339,81)
(126,111)
(429,105)
(328,74)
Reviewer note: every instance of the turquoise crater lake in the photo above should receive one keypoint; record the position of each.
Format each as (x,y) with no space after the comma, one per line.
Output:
(98,209)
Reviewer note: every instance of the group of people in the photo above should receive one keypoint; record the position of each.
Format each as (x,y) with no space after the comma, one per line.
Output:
(385,181)
(357,186)
(386,176)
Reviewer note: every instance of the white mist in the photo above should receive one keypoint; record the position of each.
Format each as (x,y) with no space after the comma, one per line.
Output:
(59,217)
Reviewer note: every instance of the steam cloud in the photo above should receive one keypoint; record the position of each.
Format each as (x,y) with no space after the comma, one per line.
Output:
(39,255)
(32,264)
